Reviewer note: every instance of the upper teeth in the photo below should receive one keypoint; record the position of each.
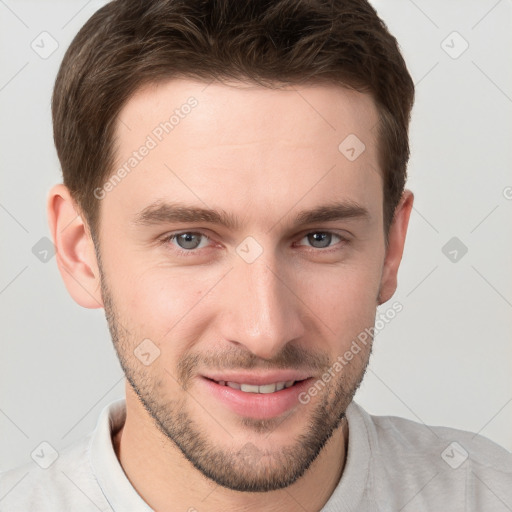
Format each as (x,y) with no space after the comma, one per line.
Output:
(265,388)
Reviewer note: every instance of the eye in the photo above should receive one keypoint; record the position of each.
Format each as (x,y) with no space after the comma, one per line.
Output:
(322,239)
(188,240)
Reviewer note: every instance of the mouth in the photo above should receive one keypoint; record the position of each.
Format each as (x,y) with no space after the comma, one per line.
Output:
(261,389)
(256,395)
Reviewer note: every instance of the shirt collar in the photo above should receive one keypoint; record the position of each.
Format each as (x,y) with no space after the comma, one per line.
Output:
(354,482)
(122,496)
(106,467)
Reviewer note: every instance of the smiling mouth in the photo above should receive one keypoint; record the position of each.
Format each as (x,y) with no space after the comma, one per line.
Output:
(262,389)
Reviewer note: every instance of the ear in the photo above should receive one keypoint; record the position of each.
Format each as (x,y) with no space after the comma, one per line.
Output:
(395,249)
(75,253)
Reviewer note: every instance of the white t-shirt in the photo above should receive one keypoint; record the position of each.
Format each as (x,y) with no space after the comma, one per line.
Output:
(393,464)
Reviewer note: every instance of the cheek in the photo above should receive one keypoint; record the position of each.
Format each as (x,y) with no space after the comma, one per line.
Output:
(344,299)
(159,304)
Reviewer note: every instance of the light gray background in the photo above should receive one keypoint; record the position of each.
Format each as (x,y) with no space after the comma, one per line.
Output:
(444,360)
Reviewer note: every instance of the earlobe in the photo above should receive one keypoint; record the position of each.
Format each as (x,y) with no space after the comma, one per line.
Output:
(395,249)
(75,253)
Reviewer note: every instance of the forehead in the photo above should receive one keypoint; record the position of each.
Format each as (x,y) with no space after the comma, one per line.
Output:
(308,109)
(237,144)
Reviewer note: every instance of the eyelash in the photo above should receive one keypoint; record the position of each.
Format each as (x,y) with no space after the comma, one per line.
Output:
(192,252)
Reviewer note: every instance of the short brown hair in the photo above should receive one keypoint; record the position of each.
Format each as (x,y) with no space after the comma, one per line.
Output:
(129,43)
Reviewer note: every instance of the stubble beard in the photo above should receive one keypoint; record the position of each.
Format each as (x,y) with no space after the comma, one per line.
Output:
(246,467)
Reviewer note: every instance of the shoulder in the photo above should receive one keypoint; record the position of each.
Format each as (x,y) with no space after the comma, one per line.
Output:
(436,463)
(68,483)
(453,446)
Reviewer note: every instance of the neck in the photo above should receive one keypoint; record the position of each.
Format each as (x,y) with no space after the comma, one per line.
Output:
(167,481)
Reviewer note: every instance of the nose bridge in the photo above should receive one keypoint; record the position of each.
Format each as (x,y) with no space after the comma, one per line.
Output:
(263,313)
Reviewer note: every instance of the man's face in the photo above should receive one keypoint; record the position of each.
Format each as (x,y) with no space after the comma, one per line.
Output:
(272,298)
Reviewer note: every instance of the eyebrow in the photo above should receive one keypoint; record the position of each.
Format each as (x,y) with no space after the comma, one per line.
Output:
(163,212)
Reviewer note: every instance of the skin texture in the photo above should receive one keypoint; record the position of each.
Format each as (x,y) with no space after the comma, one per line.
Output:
(262,156)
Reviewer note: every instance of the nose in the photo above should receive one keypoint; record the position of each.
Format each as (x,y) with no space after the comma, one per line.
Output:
(262,312)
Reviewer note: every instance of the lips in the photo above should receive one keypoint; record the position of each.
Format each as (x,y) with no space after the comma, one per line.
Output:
(257,395)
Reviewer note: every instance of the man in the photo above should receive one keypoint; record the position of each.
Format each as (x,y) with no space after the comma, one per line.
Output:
(234,198)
